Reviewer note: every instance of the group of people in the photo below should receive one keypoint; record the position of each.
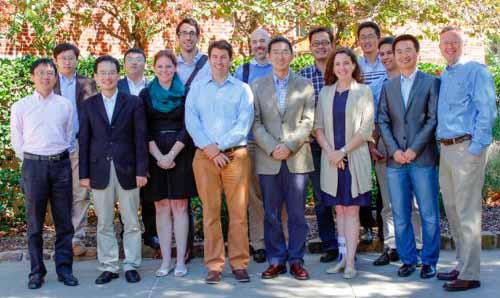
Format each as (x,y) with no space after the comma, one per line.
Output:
(257,138)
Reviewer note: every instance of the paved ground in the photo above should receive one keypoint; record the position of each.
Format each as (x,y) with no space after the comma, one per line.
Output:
(371,282)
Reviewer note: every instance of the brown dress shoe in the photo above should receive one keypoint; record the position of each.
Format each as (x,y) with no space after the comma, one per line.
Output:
(461,285)
(449,276)
(241,275)
(299,272)
(79,249)
(273,271)
(213,277)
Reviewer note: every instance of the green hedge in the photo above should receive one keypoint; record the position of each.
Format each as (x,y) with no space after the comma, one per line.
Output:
(15,84)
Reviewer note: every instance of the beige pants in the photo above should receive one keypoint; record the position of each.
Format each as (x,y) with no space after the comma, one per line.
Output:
(81,201)
(386,213)
(256,207)
(461,178)
(107,245)
(210,181)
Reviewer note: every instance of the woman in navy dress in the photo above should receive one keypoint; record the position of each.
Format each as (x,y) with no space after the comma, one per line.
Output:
(171,150)
(343,126)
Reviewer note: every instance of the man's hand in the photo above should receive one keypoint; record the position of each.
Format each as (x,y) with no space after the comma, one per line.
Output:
(410,155)
(400,157)
(374,153)
(141,181)
(221,160)
(281,152)
(211,151)
(85,183)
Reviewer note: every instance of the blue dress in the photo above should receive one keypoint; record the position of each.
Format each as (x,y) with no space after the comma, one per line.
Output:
(344,195)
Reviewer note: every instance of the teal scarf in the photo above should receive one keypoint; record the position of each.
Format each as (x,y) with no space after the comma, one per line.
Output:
(166,100)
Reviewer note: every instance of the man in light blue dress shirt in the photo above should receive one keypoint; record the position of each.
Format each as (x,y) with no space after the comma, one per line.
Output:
(466,115)
(219,114)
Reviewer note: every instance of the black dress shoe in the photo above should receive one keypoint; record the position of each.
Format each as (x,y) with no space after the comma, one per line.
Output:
(106,277)
(448,276)
(68,279)
(35,281)
(259,256)
(461,285)
(132,276)
(389,255)
(329,256)
(427,271)
(153,242)
(406,270)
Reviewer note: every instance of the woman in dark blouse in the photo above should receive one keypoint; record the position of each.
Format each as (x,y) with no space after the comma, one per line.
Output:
(171,155)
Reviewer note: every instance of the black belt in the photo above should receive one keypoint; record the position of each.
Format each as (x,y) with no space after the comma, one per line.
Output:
(165,131)
(231,150)
(456,140)
(60,156)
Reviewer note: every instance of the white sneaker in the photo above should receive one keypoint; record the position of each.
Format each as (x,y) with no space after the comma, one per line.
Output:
(163,271)
(349,273)
(181,272)
(337,268)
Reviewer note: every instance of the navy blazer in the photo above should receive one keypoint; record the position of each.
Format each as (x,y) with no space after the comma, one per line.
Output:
(123,85)
(414,126)
(124,141)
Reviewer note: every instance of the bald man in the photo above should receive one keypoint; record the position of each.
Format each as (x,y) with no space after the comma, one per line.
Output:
(258,67)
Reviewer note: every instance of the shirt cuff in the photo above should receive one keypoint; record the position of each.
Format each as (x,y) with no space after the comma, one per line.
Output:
(475,148)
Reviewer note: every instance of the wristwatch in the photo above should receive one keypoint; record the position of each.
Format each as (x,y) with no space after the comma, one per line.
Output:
(343,150)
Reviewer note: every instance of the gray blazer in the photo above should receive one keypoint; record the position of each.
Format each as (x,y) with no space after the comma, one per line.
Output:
(293,129)
(414,126)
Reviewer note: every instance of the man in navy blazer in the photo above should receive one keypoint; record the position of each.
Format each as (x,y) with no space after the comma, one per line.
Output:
(407,119)
(113,163)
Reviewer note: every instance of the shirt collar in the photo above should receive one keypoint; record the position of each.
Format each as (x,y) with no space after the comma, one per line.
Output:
(40,97)
(229,79)
(197,57)
(113,98)
(142,81)
(255,63)
(411,78)
(278,80)
(366,62)
(66,80)
(461,61)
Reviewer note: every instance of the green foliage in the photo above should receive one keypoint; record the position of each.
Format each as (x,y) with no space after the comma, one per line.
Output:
(12,211)
(492,174)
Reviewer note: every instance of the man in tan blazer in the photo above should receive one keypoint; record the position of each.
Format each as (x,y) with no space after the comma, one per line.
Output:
(284,116)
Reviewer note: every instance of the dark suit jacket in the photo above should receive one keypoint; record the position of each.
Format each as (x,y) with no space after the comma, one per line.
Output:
(123,85)
(123,141)
(412,127)
(85,88)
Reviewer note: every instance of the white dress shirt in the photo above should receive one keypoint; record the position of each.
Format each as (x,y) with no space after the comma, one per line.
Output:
(109,105)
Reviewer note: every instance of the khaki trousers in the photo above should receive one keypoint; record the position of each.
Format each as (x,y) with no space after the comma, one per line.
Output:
(461,178)
(81,200)
(210,181)
(256,207)
(107,245)
(386,213)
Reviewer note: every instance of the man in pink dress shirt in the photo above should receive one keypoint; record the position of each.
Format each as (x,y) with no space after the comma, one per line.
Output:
(41,132)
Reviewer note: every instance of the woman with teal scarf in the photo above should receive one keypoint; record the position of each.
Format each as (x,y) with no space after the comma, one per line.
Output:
(171,182)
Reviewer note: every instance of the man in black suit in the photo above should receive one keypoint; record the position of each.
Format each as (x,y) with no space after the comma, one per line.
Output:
(407,120)
(113,163)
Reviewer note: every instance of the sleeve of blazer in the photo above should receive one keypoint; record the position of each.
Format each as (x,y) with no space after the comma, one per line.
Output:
(84,136)
(428,130)
(141,148)
(318,114)
(263,138)
(183,135)
(305,126)
(368,116)
(385,124)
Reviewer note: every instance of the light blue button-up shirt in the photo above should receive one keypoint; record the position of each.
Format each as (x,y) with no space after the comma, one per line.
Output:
(406,84)
(371,72)
(68,90)
(281,87)
(109,105)
(219,114)
(376,87)
(185,70)
(256,71)
(467,104)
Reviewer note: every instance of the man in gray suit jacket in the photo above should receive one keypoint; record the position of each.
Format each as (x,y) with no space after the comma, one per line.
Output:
(407,120)
(284,116)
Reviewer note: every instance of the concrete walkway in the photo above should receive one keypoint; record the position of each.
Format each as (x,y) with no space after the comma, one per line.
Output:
(371,282)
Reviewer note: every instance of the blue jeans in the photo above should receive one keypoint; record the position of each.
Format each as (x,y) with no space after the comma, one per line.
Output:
(288,188)
(324,214)
(424,183)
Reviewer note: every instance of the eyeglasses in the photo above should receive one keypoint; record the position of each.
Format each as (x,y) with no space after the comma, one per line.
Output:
(67,59)
(45,73)
(323,43)
(108,73)
(187,33)
(136,59)
(282,53)
(450,43)
(368,36)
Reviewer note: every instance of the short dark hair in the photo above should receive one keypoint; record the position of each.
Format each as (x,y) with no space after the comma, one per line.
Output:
(386,40)
(405,37)
(330,76)
(321,29)
(134,51)
(42,61)
(279,39)
(189,21)
(165,53)
(63,47)
(368,24)
(221,45)
(106,58)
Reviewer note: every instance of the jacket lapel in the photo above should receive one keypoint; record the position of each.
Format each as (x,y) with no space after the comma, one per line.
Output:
(414,88)
(274,94)
(289,92)
(396,91)
(57,87)
(120,103)
(101,109)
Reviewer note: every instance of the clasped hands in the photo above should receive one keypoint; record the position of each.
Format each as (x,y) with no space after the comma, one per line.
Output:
(213,153)
(166,161)
(141,181)
(281,152)
(404,157)
(336,158)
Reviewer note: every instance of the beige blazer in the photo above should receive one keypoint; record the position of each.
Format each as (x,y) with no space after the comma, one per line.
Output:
(293,129)
(359,117)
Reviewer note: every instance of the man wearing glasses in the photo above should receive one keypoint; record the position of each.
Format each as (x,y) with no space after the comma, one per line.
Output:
(321,45)
(114,163)
(75,88)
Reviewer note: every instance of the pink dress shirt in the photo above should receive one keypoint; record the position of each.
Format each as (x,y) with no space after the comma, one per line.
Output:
(42,126)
